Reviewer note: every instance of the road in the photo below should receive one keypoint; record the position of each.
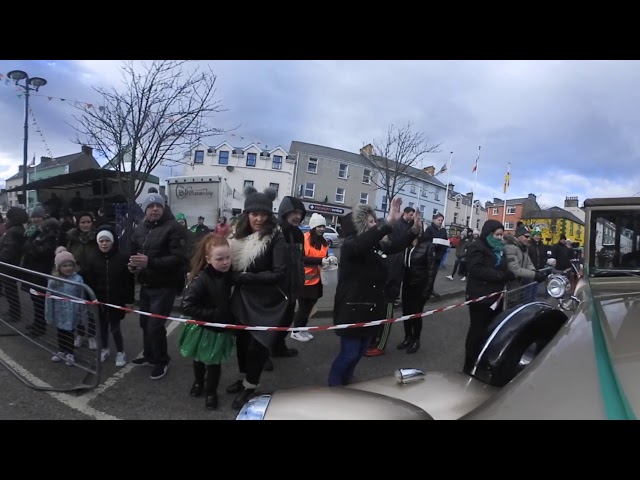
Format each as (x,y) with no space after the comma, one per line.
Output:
(128,393)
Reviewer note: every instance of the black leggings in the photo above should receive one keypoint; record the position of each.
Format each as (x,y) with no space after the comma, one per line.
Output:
(65,341)
(412,303)
(252,356)
(109,320)
(305,305)
(480,316)
(212,375)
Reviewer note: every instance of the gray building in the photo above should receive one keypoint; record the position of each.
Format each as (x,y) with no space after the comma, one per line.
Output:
(463,212)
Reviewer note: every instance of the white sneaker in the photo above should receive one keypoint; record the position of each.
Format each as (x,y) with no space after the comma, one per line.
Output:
(449,277)
(77,342)
(464,279)
(104,354)
(92,343)
(69,359)
(121,359)
(299,336)
(58,357)
(308,335)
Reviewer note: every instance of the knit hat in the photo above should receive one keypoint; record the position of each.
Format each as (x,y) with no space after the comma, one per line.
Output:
(38,212)
(181,216)
(17,215)
(152,198)
(476,232)
(104,233)
(536,231)
(316,220)
(259,202)
(522,230)
(63,256)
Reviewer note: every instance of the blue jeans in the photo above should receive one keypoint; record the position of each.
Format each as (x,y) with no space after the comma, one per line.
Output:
(351,351)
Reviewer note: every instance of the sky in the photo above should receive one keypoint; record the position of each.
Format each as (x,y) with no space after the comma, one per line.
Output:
(562,128)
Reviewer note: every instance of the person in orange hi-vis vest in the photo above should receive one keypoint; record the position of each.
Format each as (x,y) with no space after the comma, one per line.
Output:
(316,249)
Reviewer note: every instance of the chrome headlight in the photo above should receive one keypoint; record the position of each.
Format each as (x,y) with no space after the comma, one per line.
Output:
(409,375)
(557,285)
(255,408)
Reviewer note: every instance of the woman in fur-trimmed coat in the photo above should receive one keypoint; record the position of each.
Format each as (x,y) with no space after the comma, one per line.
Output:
(259,259)
(361,281)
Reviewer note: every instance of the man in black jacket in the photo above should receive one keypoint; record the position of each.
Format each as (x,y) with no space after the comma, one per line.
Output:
(158,259)
(290,214)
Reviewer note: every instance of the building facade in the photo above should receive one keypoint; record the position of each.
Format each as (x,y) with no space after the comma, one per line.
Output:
(462,212)
(554,222)
(515,209)
(241,167)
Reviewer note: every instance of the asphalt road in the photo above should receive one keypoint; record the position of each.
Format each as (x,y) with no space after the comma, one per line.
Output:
(128,393)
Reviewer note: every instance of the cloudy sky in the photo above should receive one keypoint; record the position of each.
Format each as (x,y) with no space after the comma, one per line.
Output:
(568,128)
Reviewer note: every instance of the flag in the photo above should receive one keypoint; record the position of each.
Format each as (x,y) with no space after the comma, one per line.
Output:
(475,166)
(507,177)
(33,161)
(443,169)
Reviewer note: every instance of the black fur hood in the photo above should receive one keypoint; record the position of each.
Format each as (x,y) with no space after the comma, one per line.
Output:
(357,222)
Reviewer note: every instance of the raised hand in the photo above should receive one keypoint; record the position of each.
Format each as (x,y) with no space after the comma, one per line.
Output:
(394,212)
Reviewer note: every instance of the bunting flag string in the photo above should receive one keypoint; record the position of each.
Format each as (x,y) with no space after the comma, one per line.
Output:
(39,130)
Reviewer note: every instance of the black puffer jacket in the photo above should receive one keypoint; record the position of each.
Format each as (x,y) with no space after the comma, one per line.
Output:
(483,275)
(362,275)
(81,244)
(12,242)
(419,267)
(208,298)
(294,238)
(434,232)
(164,242)
(110,279)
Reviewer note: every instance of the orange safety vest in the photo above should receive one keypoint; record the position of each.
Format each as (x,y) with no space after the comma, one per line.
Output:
(312,272)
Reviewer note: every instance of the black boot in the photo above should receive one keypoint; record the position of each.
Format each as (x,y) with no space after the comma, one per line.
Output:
(196,389)
(405,343)
(211,401)
(414,347)
(242,398)
(235,387)
(198,383)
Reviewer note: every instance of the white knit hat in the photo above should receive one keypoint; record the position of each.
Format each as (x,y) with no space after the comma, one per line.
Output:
(316,220)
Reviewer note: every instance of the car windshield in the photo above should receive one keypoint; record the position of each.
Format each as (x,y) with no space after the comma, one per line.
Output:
(615,242)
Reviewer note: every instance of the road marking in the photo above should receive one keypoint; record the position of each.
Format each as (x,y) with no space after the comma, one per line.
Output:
(113,379)
(76,403)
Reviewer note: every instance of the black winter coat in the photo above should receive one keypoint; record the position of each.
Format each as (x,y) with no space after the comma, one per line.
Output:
(81,244)
(419,267)
(110,279)
(434,232)
(165,243)
(208,298)
(483,276)
(12,246)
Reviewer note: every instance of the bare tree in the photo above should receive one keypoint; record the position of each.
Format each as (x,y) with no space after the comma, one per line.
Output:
(394,155)
(160,111)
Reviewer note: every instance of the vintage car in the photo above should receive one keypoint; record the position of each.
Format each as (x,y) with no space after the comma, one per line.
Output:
(574,356)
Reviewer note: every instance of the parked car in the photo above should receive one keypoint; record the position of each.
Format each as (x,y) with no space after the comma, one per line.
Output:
(575,355)
(330,234)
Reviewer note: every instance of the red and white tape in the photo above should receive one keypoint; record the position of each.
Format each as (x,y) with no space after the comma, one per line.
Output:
(272,329)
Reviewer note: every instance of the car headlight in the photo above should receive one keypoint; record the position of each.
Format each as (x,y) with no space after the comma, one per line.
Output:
(557,285)
(255,408)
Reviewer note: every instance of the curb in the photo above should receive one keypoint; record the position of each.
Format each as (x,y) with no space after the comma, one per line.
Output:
(328,313)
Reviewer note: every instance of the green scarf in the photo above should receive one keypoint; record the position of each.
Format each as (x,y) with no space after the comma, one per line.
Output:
(497,246)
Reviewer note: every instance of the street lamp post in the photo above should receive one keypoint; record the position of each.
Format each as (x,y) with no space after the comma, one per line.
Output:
(30,83)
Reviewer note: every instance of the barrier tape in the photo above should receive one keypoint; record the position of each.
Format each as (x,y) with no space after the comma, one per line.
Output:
(271,329)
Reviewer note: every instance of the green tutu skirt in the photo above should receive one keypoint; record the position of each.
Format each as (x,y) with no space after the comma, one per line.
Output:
(205,345)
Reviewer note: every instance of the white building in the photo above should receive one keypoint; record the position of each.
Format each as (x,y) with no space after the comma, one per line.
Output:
(241,167)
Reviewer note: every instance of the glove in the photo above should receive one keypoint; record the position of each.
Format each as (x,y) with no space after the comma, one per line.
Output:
(238,278)
(509,276)
(540,277)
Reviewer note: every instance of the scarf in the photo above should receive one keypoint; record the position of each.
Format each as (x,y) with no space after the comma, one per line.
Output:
(497,246)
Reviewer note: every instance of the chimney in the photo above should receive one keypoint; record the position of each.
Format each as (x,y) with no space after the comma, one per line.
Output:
(497,200)
(20,168)
(367,150)
(532,197)
(430,170)
(571,202)
(469,194)
(451,185)
(45,159)
(87,150)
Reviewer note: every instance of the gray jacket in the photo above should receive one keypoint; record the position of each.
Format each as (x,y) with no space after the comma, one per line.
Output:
(518,261)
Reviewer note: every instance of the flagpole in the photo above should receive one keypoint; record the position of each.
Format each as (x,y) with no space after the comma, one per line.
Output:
(446,190)
(473,192)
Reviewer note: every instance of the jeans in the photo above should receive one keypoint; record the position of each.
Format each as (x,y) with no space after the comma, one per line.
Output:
(351,351)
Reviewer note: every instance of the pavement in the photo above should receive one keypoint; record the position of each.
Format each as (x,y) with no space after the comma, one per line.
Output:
(443,288)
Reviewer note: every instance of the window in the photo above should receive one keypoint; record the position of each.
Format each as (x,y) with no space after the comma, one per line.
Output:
(248,183)
(384,203)
(511,210)
(435,210)
(495,211)
(436,197)
(344,171)
(309,189)
(364,198)
(411,204)
(312,165)
(422,210)
(413,189)
(478,223)
(251,159)
(508,225)
(339,195)
(457,205)
(477,210)
(366,176)
(223,158)
(199,156)
(276,187)
(455,217)
(277,162)
(424,192)
(571,229)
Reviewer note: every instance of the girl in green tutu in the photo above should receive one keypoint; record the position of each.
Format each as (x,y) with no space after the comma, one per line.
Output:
(207,298)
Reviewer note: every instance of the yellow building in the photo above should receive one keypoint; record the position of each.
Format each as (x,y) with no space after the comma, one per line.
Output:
(553,222)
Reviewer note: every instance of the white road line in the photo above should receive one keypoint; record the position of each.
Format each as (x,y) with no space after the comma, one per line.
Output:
(112,380)
(76,403)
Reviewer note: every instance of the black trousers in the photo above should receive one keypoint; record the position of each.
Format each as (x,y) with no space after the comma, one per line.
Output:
(251,355)
(280,343)
(412,302)
(480,316)
(305,305)
(13,299)
(212,373)
(65,341)
(154,333)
